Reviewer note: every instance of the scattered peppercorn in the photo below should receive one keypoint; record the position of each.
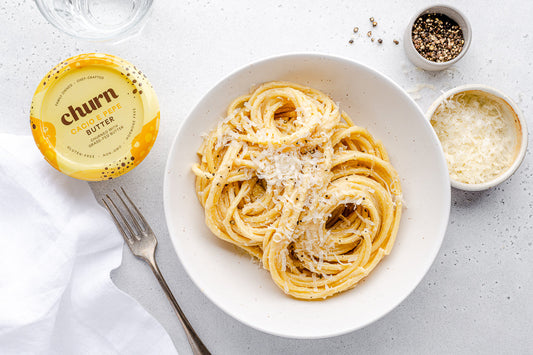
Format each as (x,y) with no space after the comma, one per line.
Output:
(369,33)
(437,37)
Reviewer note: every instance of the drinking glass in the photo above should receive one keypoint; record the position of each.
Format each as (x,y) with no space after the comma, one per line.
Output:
(97,20)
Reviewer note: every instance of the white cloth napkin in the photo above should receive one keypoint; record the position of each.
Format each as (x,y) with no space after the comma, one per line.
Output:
(58,246)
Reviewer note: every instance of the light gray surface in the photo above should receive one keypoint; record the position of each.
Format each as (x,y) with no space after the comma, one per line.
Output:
(476,298)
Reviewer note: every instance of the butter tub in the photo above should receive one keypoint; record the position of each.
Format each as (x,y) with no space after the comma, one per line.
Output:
(94,116)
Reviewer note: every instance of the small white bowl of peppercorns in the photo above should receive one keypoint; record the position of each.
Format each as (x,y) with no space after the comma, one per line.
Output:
(437,37)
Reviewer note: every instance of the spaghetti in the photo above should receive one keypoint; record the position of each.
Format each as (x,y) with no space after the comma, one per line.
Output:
(290,179)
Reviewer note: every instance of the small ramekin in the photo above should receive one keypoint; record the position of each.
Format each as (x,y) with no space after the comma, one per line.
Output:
(520,125)
(416,58)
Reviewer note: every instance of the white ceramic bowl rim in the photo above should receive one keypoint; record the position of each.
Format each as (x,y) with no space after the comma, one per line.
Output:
(428,249)
(524,138)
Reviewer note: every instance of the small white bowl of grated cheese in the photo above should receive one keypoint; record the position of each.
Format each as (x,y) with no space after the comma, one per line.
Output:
(483,135)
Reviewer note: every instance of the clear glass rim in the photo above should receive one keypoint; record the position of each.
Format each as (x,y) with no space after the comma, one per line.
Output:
(134,25)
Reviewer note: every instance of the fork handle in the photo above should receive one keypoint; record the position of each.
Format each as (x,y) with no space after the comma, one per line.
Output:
(198,347)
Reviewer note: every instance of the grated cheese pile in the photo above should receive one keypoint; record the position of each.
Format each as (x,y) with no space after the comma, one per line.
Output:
(282,167)
(477,138)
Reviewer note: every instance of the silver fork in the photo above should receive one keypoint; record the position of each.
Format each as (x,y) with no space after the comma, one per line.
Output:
(142,242)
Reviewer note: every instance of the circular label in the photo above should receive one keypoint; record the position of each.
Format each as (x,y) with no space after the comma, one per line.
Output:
(94,117)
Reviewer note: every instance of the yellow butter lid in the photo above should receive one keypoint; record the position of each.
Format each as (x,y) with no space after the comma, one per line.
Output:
(94,116)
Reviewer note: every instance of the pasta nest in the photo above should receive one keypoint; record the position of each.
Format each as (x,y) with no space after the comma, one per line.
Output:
(290,179)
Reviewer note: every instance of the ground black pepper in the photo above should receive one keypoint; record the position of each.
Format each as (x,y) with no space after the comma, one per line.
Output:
(437,37)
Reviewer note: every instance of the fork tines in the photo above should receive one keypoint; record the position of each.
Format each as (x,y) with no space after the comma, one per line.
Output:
(131,223)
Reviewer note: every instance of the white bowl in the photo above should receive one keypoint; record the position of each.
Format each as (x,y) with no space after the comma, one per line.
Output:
(416,58)
(242,288)
(512,111)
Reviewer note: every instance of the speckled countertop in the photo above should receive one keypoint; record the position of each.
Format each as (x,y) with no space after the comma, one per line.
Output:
(476,298)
